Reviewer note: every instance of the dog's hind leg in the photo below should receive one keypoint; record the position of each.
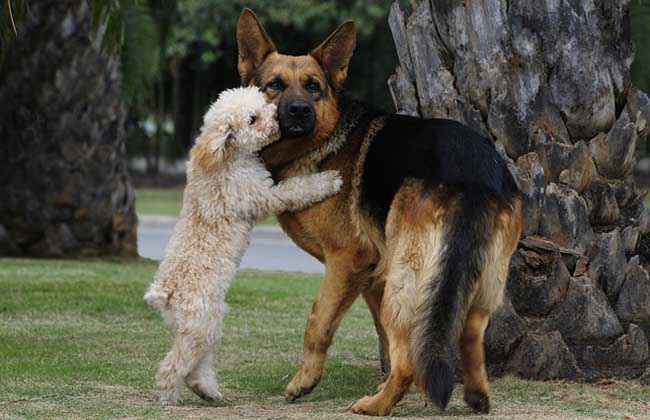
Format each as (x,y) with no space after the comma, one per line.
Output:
(475,379)
(203,381)
(190,347)
(401,372)
(373,296)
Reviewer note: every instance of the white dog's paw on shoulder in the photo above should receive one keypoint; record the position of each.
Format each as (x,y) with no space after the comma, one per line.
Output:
(330,181)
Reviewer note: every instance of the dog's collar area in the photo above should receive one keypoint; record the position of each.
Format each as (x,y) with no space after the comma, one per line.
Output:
(352,113)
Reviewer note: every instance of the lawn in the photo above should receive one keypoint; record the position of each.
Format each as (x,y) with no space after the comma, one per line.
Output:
(167,202)
(77,341)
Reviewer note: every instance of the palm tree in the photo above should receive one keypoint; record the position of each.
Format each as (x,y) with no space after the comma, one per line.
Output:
(65,187)
(550,83)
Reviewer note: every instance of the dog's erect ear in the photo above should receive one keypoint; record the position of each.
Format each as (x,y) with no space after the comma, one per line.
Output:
(335,52)
(253,44)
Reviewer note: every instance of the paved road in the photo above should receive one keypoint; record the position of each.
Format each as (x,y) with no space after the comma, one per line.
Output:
(270,248)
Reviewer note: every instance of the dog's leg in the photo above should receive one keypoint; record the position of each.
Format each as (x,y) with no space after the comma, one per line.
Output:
(399,380)
(373,296)
(299,192)
(203,381)
(189,348)
(337,293)
(477,394)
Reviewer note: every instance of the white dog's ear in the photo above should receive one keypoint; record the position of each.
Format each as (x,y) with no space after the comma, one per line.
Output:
(213,148)
(221,141)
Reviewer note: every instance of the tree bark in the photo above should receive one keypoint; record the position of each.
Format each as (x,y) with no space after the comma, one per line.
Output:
(549,82)
(65,189)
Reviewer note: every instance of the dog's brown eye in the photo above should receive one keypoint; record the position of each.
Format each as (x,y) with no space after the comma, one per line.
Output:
(252,120)
(275,84)
(313,87)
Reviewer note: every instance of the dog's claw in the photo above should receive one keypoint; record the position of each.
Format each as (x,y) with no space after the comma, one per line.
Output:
(292,396)
(478,402)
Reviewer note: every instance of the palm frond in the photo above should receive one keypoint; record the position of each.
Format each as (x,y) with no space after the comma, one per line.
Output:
(11,13)
(127,28)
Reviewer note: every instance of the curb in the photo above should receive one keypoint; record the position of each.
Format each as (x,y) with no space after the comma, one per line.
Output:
(168,222)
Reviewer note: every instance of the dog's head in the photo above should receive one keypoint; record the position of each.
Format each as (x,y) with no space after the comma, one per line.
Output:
(305,88)
(239,121)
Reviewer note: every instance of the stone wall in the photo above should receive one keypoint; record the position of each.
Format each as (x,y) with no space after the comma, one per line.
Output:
(550,82)
(65,189)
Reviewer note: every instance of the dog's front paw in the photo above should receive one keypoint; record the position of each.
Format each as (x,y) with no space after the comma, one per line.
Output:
(331,181)
(369,406)
(298,387)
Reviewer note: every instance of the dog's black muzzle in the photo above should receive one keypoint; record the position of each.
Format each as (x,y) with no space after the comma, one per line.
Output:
(297,118)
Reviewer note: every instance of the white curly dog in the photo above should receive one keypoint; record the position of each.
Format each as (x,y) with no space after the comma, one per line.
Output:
(228,190)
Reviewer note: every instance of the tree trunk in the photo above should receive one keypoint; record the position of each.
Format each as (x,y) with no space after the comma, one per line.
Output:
(549,81)
(65,189)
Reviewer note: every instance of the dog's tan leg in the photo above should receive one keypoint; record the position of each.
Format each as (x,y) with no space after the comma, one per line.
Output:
(373,297)
(337,293)
(399,380)
(477,394)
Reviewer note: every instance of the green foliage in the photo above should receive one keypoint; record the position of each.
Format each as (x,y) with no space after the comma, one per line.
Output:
(640,25)
(208,26)
(127,28)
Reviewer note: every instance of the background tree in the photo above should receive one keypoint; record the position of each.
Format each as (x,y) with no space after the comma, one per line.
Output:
(550,82)
(66,189)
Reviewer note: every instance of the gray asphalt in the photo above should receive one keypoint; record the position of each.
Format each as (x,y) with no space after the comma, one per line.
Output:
(270,248)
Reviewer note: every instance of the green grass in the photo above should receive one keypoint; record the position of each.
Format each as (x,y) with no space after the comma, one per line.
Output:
(167,202)
(159,201)
(77,341)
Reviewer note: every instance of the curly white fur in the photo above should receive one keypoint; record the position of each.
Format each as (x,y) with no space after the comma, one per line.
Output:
(228,190)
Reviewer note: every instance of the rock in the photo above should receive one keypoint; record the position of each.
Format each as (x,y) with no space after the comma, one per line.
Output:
(613,152)
(504,331)
(638,105)
(629,349)
(584,316)
(544,356)
(568,164)
(645,378)
(633,303)
(566,220)
(537,282)
(403,91)
(531,175)
(642,167)
(630,239)
(608,263)
(601,204)
(643,224)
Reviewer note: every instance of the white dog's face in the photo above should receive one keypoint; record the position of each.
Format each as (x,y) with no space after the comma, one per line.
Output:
(254,127)
(241,120)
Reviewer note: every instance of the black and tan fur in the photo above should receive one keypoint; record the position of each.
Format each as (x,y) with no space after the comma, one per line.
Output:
(423,227)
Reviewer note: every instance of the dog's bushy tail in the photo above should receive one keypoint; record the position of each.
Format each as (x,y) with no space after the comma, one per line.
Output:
(443,309)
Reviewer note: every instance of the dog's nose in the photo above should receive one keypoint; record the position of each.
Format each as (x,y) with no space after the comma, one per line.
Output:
(300,109)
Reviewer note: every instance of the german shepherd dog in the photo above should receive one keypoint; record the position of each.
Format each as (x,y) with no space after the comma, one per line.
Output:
(423,226)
